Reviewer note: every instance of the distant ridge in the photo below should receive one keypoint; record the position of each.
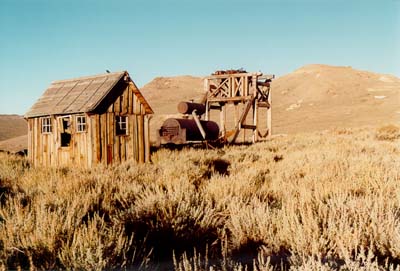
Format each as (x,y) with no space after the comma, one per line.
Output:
(12,126)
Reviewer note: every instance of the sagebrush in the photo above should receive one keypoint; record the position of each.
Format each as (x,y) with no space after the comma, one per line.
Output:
(322,201)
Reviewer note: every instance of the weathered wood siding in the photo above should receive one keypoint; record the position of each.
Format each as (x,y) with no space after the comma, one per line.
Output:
(111,148)
(40,147)
(99,142)
(45,148)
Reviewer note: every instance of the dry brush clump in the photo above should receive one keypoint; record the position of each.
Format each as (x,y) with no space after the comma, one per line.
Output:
(388,132)
(322,201)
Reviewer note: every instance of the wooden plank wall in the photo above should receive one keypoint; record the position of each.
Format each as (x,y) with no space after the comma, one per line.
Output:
(80,145)
(45,149)
(133,146)
(40,147)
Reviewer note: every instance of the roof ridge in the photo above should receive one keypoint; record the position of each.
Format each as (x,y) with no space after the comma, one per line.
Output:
(88,77)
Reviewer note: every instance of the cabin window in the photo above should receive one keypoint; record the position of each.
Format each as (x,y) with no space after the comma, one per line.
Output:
(65,127)
(46,125)
(80,124)
(121,125)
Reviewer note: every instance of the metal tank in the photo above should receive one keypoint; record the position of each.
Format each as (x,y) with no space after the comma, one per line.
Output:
(182,131)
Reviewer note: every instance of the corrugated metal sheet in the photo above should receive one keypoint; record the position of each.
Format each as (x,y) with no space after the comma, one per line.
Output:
(77,95)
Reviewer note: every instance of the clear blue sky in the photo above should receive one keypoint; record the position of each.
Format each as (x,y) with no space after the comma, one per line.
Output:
(46,40)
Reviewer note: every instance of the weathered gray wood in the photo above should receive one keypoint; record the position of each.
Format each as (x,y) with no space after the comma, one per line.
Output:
(135,138)
(242,119)
(147,138)
(255,122)
(269,116)
(140,128)
(222,122)
(248,126)
(104,138)
(231,99)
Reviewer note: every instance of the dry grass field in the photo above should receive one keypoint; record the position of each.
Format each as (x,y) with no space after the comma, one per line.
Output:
(315,201)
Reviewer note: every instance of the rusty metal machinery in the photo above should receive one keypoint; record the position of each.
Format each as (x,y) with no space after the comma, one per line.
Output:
(189,107)
(189,129)
(183,131)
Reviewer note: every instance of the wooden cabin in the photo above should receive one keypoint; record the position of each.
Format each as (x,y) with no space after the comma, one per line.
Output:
(89,120)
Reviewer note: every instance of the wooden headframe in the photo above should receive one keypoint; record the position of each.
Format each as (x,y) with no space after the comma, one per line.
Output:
(246,92)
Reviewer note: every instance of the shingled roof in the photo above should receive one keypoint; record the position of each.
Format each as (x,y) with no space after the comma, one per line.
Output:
(79,95)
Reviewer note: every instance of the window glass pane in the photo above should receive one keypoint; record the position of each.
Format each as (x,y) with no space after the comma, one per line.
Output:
(46,125)
(121,125)
(81,123)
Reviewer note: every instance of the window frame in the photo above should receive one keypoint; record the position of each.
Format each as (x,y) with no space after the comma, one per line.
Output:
(121,125)
(65,132)
(46,125)
(79,125)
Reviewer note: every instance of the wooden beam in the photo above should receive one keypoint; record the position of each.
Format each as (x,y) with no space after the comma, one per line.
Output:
(255,122)
(141,138)
(222,121)
(207,116)
(231,99)
(89,141)
(147,119)
(221,76)
(246,111)
(248,126)
(245,86)
(219,87)
(263,135)
(104,138)
(264,104)
(131,132)
(266,76)
(242,119)
(198,123)
(269,116)
(135,138)
(215,107)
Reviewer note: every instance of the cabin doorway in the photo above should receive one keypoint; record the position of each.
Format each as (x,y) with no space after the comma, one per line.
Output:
(65,131)
(64,139)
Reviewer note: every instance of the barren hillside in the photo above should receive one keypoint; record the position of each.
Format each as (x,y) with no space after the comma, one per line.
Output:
(15,144)
(12,126)
(164,93)
(317,97)
(13,131)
